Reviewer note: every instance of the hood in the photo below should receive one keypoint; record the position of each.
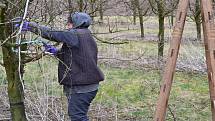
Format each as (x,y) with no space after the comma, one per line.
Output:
(81,20)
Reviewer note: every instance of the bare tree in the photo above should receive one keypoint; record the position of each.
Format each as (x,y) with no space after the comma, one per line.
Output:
(70,6)
(134,11)
(142,11)
(14,60)
(194,6)
(81,5)
(11,60)
(101,11)
(162,8)
(138,8)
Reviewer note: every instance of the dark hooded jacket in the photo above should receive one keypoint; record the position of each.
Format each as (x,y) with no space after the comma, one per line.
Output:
(78,55)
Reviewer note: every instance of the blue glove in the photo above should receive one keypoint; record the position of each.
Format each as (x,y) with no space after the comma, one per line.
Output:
(25,26)
(51,49)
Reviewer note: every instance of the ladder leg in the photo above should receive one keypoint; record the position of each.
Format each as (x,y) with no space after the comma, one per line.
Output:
(171,62)
(209,40)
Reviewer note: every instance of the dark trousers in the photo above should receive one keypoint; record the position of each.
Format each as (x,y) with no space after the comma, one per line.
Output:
(78,105)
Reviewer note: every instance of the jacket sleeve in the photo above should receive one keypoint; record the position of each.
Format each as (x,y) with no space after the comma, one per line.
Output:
(68,37)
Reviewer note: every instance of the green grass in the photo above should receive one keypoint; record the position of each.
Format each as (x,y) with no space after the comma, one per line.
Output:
(138,90)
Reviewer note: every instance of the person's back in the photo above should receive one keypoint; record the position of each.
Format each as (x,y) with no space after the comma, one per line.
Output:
(82,70)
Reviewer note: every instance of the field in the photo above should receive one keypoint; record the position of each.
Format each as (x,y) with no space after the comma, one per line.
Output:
(132,78)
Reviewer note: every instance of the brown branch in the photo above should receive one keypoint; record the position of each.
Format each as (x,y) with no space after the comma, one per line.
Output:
(174,6)
(119,30)
(33,58)
(107,42)
(126,59)
(14,5)
(153,8)
(167,9)
(171,112)
(13,35)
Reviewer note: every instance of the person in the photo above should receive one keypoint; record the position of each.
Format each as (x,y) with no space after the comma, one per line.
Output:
(78,71)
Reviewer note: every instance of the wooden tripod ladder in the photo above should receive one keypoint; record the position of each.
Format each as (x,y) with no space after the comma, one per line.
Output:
(209,40)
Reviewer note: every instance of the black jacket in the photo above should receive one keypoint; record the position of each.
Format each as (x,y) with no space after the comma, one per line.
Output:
(78,56)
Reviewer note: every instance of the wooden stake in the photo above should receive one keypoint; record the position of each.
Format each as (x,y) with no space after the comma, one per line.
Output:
(171,62)
(209,40)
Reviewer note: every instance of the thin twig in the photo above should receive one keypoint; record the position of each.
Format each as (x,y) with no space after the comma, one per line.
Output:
(2,64)
(8,38)
(16,6)
(19,40)
(33,59)
(5,119)
(171,112)
(126,59)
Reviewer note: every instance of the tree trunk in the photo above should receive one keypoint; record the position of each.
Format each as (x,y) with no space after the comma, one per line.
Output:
(161,29)
(198,29)
(172,13)
(101,11)
(140,17)
(141,26)
(70,6)
(51,14)
(172,18)
(198,19)
(45,11)
(81,5)
(10,59)
(92,5)
(134,11)
(134,17)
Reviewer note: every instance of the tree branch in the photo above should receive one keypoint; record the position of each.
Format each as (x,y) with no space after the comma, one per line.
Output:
(109,42)
(119,59)
(154,9)
(33,58)
(2,5)
(172,113)
(14,5)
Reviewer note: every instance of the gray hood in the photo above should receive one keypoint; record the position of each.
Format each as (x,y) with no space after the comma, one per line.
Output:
(81,20)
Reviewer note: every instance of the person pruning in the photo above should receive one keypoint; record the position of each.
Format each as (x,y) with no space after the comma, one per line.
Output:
(78,71)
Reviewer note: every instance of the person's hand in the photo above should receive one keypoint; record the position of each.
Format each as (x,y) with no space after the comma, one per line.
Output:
(17,22)
(25,26)
(51,49)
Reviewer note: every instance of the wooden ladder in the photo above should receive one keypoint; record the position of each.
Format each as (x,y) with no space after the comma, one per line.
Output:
(209,41)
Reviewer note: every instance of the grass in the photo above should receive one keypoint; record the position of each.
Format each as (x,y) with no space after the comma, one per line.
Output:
(138,90)
(133,48)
